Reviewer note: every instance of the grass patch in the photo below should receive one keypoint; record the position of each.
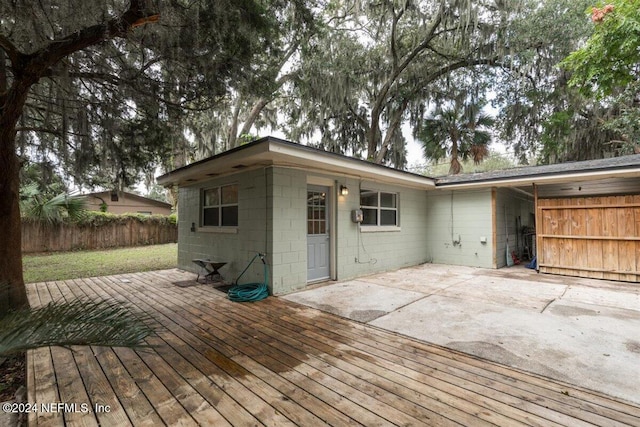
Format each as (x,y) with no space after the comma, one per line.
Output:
(73,265)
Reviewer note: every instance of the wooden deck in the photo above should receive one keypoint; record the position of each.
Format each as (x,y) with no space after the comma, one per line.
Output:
(277,363)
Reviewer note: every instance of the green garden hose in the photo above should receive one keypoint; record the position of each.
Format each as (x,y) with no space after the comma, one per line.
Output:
(249,292)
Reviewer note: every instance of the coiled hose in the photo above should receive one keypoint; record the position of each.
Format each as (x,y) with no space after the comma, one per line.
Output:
(249,292)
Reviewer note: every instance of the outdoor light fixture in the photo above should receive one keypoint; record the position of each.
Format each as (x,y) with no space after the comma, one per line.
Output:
(344,190)
(193,226)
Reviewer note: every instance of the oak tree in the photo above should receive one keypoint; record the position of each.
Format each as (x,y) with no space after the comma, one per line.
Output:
(105,82)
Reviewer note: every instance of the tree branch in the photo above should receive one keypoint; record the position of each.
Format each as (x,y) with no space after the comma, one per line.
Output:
(382,96)
(103,77)
(363,122)
(3,75)
(11,51)
(394,26)
(39,130)
(263,101)
(461,64)
(40,61)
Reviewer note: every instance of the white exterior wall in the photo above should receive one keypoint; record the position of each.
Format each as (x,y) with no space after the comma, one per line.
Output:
(457,222)
(237,249)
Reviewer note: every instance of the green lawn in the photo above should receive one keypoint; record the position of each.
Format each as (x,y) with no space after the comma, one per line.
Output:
(72,265)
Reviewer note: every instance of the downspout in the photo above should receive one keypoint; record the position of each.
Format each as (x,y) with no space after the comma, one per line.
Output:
(494,228)
(266,229)
(538,229)
(266,213)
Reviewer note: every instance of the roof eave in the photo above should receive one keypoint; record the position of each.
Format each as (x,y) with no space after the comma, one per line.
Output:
(272,151)
(540,179)
(346,166)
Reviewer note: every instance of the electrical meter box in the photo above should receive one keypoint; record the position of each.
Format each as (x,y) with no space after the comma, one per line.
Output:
(357,216)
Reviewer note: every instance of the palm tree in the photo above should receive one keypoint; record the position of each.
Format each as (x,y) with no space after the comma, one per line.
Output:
(458,131)
(34,205)
(76,322)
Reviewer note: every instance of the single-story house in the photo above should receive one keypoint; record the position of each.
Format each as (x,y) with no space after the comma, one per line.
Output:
(322,216)
(119,202)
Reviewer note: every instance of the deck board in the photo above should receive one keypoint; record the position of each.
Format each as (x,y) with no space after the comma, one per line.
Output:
(274,362)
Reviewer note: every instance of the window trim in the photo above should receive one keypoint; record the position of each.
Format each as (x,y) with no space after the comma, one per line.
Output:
(379,209)
(217,228)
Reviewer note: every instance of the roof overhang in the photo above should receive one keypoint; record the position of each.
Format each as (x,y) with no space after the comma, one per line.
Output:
(271,151)
(542,179)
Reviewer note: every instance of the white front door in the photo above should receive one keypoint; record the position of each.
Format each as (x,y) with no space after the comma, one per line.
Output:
(318,247)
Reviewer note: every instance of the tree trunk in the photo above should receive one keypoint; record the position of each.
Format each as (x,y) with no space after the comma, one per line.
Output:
(455,167)
(253,116)
(394,126)
(26,71)
(373,135)
(12,291)
(232,134)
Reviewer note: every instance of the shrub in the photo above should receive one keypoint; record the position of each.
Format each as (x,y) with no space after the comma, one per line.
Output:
(98,219)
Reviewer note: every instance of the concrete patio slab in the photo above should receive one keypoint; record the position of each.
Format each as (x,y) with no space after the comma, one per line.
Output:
(582,331)
(357,300)
(617,298)
(521,293)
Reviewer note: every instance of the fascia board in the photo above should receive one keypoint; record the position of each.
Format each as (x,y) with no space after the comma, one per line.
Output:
(286,155)
(544,179)
(224,163)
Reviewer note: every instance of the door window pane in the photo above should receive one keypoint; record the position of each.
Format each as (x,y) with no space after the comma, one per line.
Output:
(316,212)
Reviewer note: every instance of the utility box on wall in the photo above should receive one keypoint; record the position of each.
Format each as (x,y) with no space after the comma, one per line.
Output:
(357,216)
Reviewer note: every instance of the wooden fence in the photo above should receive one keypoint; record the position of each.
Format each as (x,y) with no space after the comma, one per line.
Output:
(595,237)
(38,237)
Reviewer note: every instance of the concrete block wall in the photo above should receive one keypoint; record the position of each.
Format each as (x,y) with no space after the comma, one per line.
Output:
(457,222)
(288,246)
(434,226)
(360,253)
(237,249)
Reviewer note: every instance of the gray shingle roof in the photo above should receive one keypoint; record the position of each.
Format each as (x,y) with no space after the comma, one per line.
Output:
(622,162)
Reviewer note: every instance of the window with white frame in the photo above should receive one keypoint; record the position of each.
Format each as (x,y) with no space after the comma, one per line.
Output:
(220,206)
(379,208)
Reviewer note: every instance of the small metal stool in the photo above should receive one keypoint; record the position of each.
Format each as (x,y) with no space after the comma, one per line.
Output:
(210,269)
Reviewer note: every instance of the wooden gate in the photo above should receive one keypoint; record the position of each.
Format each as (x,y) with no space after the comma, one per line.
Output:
(595,237)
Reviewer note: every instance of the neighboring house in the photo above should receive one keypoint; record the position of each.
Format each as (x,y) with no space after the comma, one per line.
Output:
(322,216)
(119,202)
